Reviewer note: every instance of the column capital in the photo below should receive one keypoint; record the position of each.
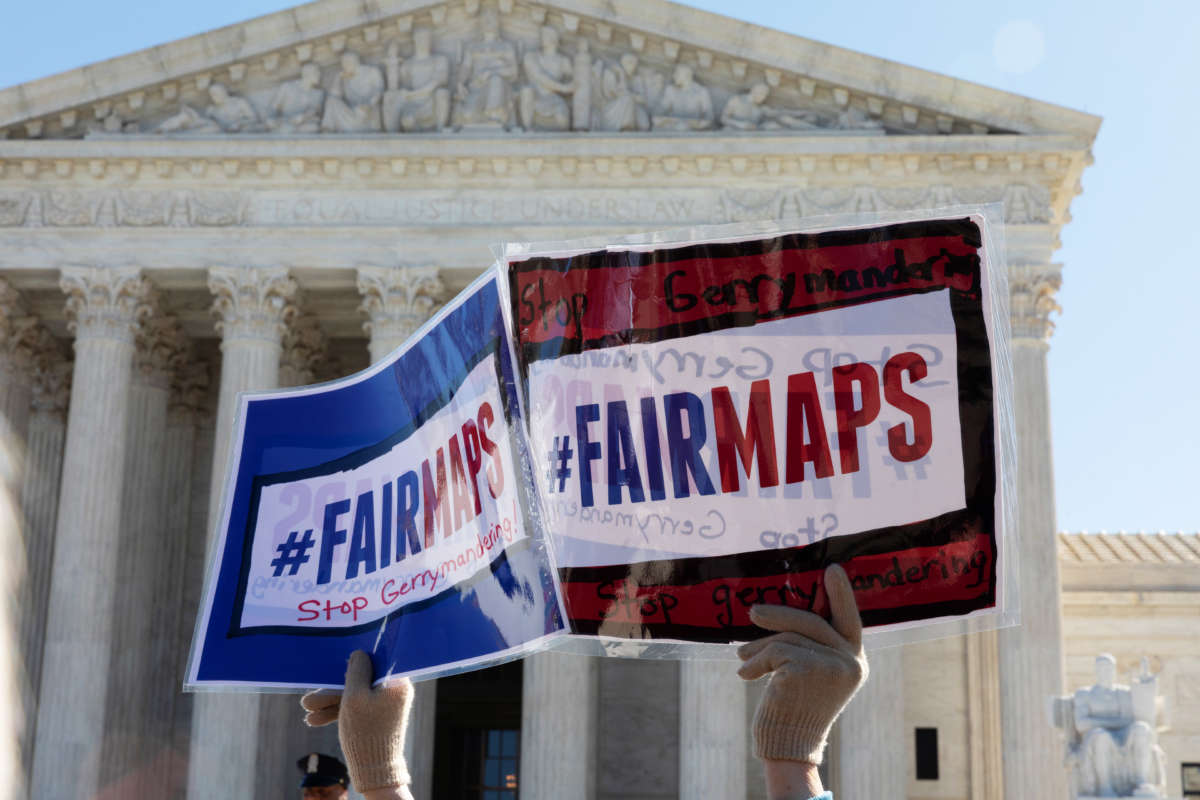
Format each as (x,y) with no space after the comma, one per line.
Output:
(105,302)
(251,302)
(1032,289)
(52,371)
(304,347)
(162,346)
(397,300)
(18,332)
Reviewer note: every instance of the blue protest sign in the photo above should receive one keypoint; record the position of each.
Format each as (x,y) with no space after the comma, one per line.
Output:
(390,512)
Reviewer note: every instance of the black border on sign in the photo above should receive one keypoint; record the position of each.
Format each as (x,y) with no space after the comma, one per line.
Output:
(963,228)
(621,259)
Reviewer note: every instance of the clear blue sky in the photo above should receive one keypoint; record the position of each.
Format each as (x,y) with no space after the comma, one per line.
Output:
(1124,363)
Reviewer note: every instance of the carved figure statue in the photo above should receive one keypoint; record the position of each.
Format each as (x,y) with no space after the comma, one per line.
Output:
(746,112)
(228,113)
(857,119)
(485,75)
(418,95)
(581,99)
(685,105)
(297,105)
(352,105)
(1112,747)
(550,75)
(623,97)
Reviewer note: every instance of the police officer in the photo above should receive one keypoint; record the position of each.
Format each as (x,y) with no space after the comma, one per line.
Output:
(325,778)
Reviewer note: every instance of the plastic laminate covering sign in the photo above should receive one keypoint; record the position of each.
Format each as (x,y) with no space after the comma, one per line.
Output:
(714,422)
(385,512)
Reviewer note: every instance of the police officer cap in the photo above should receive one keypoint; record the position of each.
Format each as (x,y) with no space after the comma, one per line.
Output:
(322,770)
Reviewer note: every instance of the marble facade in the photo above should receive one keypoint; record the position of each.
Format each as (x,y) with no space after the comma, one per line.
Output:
(287,199)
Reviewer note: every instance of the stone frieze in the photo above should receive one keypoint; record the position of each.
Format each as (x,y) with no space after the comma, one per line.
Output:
(1024,204)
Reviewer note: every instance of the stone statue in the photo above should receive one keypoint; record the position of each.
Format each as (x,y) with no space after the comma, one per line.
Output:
(352,105)
(624,100)
(747,112)
(485,75)
(1112,748)
(581,99)
(550,75)
(297,105)
(228,113)
(685,105)
(418,95)
(857,119)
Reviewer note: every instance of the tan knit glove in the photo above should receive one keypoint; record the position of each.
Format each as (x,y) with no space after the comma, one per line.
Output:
(371,724)
(815,669)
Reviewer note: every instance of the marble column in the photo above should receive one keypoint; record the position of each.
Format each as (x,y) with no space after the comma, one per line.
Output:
(282,735)
(103,305)
(870,756)
(252,305)
(397,300)
(712,730)
(418,746)
(39,506)
(200,419)
(11,771)
(755,778)
(141,684)
(186,406)
(18,332)
(1031,655)
(986,755)
(558,727)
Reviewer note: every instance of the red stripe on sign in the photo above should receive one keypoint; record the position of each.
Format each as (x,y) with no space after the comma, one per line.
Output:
(956,571)
(592,303)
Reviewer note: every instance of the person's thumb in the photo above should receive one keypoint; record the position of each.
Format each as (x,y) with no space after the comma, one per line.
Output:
(359,673)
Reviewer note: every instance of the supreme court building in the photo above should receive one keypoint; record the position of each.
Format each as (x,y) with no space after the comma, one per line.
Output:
(284,200)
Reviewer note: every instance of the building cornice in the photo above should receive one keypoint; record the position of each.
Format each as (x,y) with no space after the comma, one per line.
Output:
(455,145)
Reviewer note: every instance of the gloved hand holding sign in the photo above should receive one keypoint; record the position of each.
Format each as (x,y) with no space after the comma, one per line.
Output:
(371,725)
(815,667)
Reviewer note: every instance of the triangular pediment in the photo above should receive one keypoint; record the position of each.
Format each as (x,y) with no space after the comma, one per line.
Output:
(648,66)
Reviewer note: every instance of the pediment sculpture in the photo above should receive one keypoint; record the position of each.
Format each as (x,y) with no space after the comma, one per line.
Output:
(418,94)
(353,104)
(1112,741)
(227,113)
(479,79)
(623,94)
(747,112)
(551,80)
(486,74)
(298,104)
(684,105)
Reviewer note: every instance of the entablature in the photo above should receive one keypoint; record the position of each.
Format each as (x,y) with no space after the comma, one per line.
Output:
(215,183)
